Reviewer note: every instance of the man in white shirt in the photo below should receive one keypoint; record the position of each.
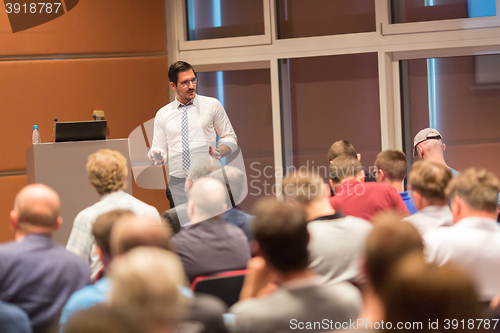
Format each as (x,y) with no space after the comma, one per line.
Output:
(337,241)
(185,131)
(428,181)
(473,242)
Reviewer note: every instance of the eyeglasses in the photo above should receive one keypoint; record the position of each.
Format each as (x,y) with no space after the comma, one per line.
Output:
(186,83)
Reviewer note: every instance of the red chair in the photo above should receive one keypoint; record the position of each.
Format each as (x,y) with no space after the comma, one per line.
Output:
(226,286)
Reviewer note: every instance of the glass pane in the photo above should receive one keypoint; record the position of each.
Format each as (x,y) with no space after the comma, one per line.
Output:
(333,98)
(458,96)
(431,10)
(246,96)
(298,18)
(209,19)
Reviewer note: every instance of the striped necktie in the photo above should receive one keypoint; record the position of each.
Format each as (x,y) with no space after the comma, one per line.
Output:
(186,160)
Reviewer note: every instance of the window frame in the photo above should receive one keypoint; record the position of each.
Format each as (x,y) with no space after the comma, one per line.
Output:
(185,45)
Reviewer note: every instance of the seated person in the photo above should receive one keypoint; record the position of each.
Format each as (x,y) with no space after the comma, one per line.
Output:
(37,274)
(107,171)
(355,197)
(473,242)
(210,245)
(236,184)
(391,169)
(337,241)
(429,181)
(281,233)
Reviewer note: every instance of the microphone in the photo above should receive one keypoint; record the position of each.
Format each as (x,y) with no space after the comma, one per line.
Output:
(54,128)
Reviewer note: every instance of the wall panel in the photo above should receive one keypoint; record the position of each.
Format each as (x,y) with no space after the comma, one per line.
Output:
(10,186)
(129,90)
(92,26)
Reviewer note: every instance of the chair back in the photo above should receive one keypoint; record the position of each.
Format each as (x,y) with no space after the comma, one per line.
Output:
(226,286)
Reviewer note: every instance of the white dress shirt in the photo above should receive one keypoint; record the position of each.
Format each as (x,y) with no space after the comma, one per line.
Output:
(206,119)
(473,243)
(82,243)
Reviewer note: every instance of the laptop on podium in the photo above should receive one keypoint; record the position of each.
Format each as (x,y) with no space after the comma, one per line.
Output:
(81,131)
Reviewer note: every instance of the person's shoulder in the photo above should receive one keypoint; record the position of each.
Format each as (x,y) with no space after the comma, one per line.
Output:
(438,235)
(381,187)
(90,213)
(353,220)
(10,247)
(254,306)
(208,101)
(69,258)
(138,204)
(166,108)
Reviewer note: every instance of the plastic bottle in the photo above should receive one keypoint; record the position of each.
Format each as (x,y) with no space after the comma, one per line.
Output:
(35,138)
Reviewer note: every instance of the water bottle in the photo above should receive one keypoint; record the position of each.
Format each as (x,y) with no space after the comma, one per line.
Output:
(35,138)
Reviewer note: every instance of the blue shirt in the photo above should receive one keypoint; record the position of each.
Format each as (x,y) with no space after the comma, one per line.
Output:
(39,276)
(85,298)
(408,200)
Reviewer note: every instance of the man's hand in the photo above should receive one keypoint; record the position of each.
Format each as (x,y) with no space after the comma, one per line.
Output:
(157,157)
(259,280)
(214,153)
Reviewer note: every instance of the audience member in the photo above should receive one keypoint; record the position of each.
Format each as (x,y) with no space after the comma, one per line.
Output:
(391,169)
(345,148)
(98,292)
(13,319)
(210,245)
(103,318)
(473,242)
(428,181)
(281,233)
(337,241)
(131,231)
(427,298)
(146,282)
(342,148)
(178,216)
(428,145)
(236,184)
(36,274)
(205,311)
(107,171)
(355,197)
(388,242)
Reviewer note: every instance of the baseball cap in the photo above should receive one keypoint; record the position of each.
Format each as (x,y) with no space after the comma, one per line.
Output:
(423,135)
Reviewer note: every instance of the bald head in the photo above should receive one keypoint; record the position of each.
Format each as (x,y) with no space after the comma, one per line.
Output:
(206,199)
(431,150)
(133,231)
(36,205)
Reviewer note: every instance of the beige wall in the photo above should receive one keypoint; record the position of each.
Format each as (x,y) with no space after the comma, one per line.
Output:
(102,55)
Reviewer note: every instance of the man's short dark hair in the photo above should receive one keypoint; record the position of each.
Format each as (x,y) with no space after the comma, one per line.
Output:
(393,163)
(341,148)
(344,167)
(281,231)
(178,67)
(101,229)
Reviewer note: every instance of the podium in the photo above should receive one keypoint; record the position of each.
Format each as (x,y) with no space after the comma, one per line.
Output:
(62,167)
